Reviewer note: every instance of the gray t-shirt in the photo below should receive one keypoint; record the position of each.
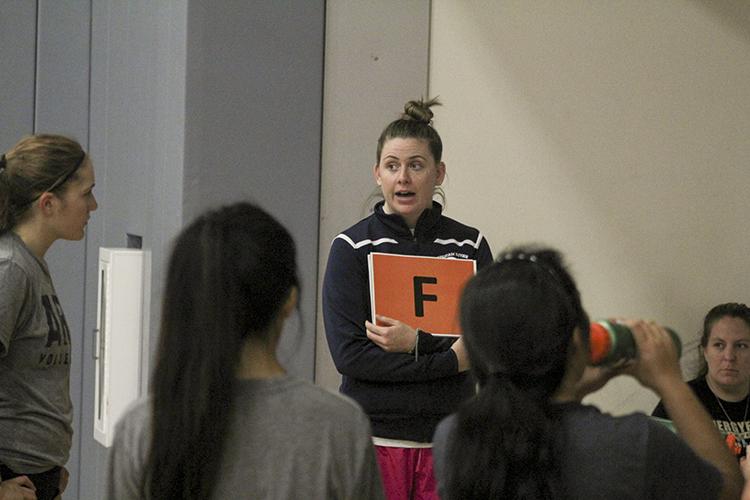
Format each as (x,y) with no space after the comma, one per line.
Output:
(35,408)
(615,458)
(287,439)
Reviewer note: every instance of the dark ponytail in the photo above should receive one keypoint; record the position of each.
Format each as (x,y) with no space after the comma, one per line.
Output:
(230,273)
(502,446)
(518,316)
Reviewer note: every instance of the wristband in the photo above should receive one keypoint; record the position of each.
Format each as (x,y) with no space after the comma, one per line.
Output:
(415,349)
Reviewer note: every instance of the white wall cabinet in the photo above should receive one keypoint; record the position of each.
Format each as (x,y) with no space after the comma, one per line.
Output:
(121,335)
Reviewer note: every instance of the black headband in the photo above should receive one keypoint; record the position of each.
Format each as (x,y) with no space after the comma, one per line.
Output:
(60,180)
(63,178)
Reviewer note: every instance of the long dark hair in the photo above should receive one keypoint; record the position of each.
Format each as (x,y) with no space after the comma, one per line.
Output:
(518,316)
(230,272)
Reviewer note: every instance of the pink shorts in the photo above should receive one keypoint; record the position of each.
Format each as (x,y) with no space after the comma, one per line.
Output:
(407,473)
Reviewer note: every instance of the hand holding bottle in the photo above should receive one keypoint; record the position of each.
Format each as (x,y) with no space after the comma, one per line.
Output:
(656,365)
(611,342)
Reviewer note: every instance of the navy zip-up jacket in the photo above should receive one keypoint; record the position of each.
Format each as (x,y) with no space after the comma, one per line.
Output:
(404,397)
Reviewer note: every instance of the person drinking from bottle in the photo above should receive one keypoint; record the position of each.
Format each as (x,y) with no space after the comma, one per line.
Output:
(526,433)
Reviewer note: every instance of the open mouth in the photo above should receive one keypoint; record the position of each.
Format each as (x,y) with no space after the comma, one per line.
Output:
(403,195)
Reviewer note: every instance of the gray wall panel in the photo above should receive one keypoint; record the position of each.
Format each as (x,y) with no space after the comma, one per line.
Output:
(17,70)
(93,456)
(62,83)
(137,122)
(253,130)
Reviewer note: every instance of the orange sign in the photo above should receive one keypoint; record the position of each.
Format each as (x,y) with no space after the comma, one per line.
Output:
(423,292)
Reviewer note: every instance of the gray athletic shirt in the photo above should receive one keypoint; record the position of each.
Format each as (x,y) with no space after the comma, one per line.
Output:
(616,458)
(35,408)
(288,439)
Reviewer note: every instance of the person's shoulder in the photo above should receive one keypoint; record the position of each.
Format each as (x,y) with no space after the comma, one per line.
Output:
(619,448)
(360,225)
(14,255)
(324,408)
(357,230)
(461,236)
(135,418)
(138,411)
(451,223)
(14,269)
(456,229)
(362,235)
(443,430)
(698,383)
(638,427)
(9,249)
(6,245)
(324,402)
(440,443)
(132,431)
(595,422)
(634,416)
(701,390)
(588,432)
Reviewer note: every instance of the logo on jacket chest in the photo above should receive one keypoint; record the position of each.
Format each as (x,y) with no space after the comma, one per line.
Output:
(454,255)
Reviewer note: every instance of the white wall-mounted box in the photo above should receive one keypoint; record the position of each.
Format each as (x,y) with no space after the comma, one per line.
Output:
(121,335)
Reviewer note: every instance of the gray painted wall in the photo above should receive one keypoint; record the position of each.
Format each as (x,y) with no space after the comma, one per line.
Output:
(17,51)
(137,128)
(231,96)
(253,128)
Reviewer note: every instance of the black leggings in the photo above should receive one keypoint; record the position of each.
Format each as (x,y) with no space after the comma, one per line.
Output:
(47,483)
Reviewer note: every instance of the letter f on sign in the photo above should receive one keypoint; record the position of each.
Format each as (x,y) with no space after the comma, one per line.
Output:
(419,296)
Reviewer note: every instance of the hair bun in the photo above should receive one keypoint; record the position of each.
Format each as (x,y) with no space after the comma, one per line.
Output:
(420,110)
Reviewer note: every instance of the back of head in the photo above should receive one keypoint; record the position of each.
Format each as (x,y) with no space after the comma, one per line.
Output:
(37,163)
(230,273)
(518,316)
(233,266)
(415,123)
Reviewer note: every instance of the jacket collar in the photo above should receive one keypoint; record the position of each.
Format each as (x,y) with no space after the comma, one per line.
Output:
(426,224)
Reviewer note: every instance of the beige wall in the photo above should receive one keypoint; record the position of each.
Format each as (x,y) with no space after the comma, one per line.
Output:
(616,131)
(376,59)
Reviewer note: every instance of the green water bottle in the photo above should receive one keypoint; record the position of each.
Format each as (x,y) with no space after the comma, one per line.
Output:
(610,342)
